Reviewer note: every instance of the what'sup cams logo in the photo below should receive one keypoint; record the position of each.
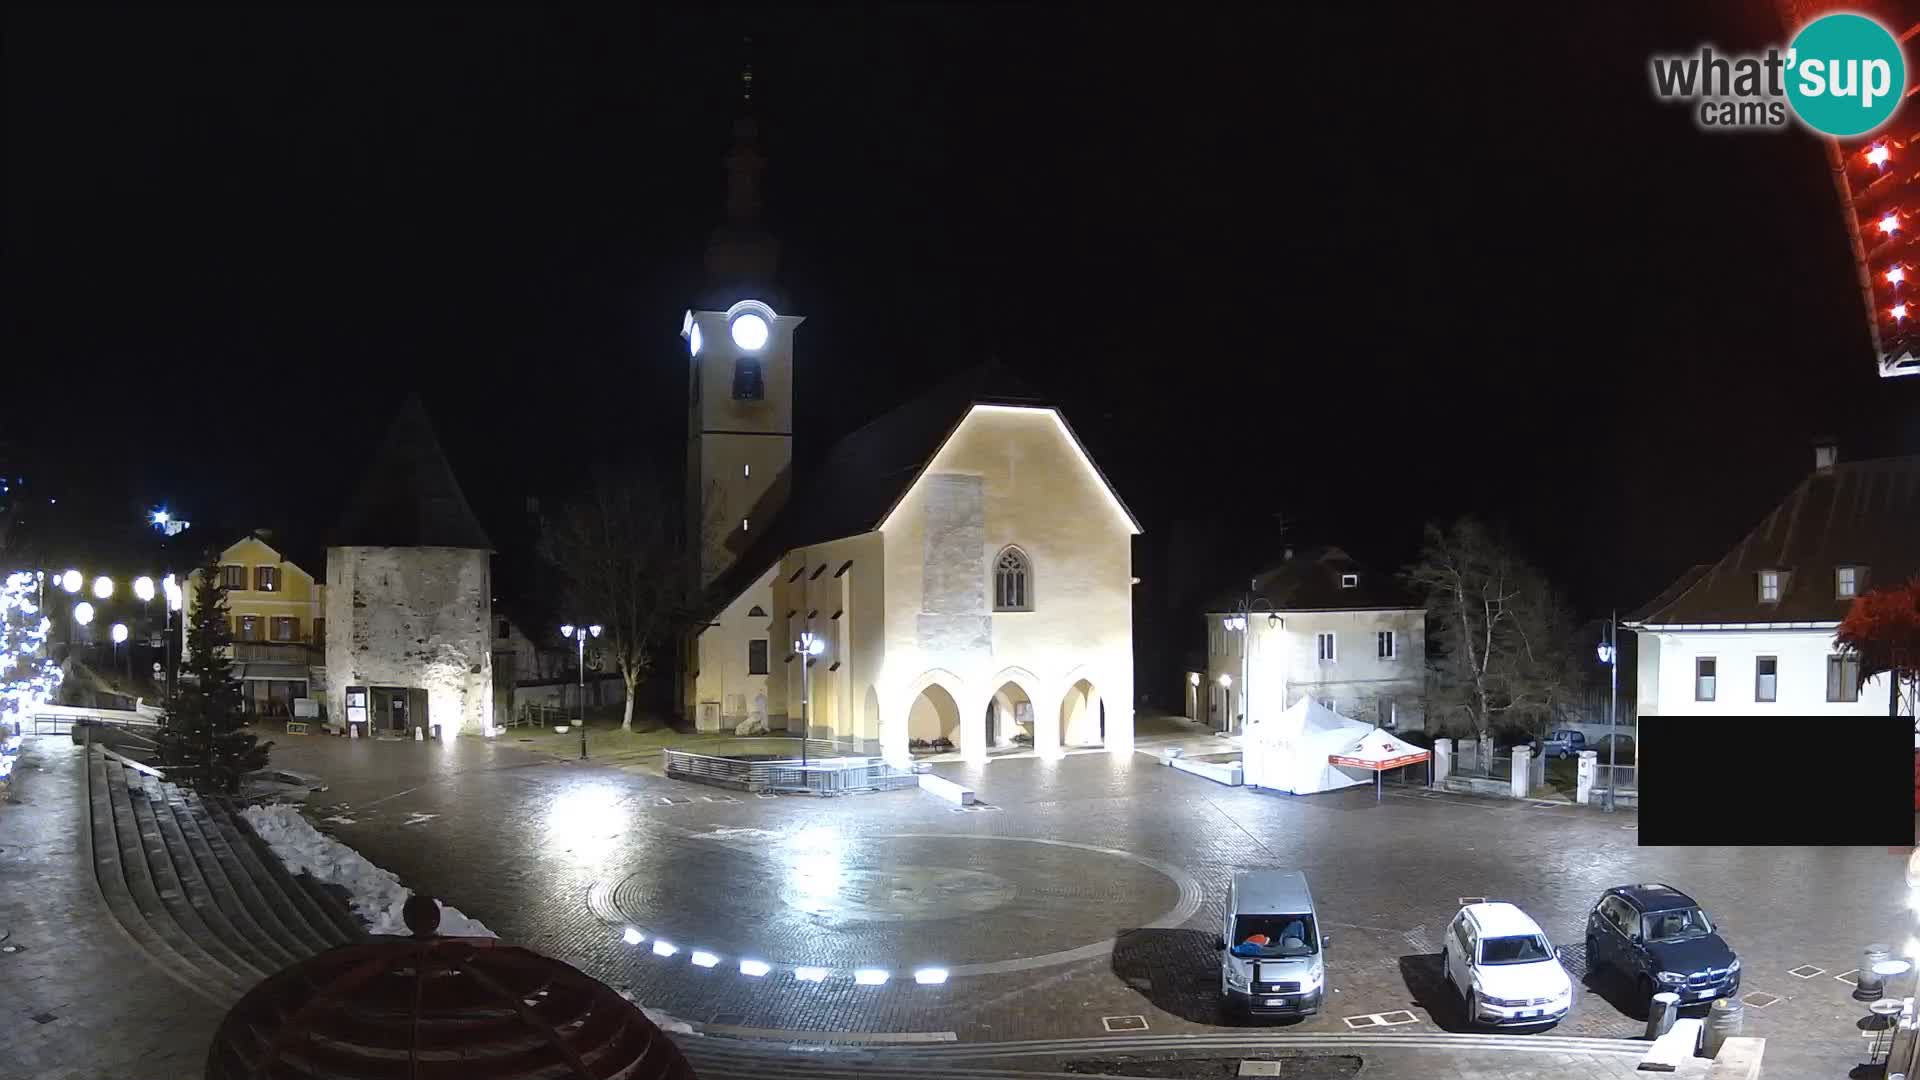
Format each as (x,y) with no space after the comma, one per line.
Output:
(1843,75)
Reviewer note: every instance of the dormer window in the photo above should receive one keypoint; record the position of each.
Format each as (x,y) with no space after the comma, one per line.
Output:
(1349,581)
(1846,582)
(1770,583)
(748,382)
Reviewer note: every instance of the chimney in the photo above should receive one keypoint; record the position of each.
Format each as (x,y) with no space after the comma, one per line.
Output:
(1825,453)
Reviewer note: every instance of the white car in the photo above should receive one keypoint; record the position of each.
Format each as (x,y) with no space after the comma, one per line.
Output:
(1504,968)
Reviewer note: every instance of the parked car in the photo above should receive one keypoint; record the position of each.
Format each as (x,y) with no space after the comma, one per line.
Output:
(1503,967)
(1564,743)
(1271,946)
(1657,937)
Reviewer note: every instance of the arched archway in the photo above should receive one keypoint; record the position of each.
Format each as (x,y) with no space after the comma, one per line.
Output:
(1010,718)
(1082,715)
(870,720)
(933,720)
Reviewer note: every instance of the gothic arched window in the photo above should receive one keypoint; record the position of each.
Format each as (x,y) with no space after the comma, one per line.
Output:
(1013,581)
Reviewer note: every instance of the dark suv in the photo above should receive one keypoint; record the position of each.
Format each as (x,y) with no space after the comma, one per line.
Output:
(1656,936)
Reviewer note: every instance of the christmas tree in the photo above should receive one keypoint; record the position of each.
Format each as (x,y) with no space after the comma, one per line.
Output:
(28,674)
(200,737)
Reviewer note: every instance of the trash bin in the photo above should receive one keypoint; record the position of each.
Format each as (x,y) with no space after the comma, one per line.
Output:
(1660,1014)
(1724,1021)
(1869,984)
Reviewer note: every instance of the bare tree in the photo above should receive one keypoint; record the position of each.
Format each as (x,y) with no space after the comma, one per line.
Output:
(1499,640)
(626,561)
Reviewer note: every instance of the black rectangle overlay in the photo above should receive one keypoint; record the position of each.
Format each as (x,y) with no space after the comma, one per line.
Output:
(1776,781)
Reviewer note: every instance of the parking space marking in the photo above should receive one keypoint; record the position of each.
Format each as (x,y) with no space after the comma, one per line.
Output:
(1367,1021)
(1753,1001)
(1806,971)
(1844,977)
(1124,1023)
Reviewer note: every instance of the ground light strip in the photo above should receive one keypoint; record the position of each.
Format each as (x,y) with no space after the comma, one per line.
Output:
(755,969)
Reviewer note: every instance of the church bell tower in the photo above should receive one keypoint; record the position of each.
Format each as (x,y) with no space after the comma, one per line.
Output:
(740,384)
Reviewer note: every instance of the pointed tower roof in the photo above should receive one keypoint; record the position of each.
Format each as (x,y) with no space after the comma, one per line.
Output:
(742,256)
(410,498)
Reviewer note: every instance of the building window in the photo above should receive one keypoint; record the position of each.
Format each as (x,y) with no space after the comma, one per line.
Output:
(1384,644)
(1323,642)
(1704,670)
(1843,678)
(748,383)
(1389,715)
(1766,678)
(285,628)
(266,578)
(247,628)
(233,577)
(1846,582)
(1769,586)
(501,629)
(1012,581)
(1349,581)
(757,656)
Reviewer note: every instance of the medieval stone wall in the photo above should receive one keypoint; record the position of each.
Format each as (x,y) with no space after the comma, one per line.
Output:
(413,617)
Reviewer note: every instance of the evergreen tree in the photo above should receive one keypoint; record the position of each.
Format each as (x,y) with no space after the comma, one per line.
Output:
(200,737)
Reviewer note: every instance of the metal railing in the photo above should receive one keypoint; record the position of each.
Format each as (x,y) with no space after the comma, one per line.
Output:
(59,719)
(823,776)
(1604,778)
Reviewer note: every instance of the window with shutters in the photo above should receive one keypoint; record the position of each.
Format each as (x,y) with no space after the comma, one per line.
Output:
(247,628)
(1843,678)
(285,628)
(266,578)
(233,577)
(1012,581)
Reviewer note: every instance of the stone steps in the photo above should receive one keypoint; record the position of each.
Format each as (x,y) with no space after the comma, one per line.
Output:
(194,888)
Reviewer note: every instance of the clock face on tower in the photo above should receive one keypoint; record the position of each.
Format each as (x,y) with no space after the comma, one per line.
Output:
(749,331)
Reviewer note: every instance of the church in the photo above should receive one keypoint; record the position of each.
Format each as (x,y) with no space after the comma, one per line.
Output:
(956,573)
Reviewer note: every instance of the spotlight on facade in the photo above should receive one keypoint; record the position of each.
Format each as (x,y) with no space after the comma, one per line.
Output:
(1226,680)
(119,632)
(143,588)
(71,581)
(693,339)
(755,968)
(102,587)
(749,332)
(83,613)
(632,936)
(1193,678)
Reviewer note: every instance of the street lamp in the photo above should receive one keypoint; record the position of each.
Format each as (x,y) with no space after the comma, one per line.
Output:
(176,599)
(119,639)
(580,634)
(102,587)
(809,646)
(83,613)
(1610,655)
(71,581)
(1238,623)
(143,589)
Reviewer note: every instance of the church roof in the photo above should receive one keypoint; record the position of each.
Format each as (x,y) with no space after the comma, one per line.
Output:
(1863,514)
(1312,580)
(410,498)
(868,472)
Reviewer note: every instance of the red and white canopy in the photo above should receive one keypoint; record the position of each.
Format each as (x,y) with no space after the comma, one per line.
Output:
(1378,751)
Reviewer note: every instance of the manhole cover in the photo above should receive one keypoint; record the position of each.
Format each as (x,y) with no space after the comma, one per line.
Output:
(1124,1023)
(1806,971)
(1760,1000)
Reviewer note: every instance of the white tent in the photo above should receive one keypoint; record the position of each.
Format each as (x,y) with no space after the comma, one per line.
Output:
(1289,752)
(1378,751)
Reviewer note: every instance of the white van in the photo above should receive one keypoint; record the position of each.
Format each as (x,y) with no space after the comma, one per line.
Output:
(1271,961)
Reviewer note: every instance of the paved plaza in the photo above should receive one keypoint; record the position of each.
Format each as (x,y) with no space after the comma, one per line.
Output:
(1079,900)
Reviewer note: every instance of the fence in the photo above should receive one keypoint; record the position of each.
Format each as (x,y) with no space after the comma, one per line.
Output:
(824,776)
(1605,775)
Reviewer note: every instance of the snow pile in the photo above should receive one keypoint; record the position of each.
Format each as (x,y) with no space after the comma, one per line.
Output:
(375,894)
(665,1021)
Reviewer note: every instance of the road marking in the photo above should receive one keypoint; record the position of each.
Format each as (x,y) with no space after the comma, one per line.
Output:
(796,1035)
(1124,1023)
(1753,1000)
(766,794)
(1806,971)
(1842,977)
(1374,1020)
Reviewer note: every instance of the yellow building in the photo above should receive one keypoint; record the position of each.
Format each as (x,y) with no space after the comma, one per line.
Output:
(276,610)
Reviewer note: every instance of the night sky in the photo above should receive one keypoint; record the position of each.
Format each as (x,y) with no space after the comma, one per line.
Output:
(1360,272)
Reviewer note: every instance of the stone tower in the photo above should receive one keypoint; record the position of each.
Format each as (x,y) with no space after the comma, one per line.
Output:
(410,596)
(740,385)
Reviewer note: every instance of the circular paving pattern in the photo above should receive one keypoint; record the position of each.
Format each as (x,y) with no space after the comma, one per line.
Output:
(820,898)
